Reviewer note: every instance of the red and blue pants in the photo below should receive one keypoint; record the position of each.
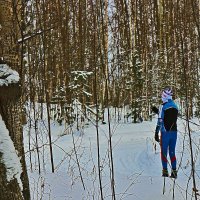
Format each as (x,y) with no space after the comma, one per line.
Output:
(168,143)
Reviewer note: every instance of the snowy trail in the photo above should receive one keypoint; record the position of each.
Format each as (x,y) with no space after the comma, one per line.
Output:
(136,159)
(137,165)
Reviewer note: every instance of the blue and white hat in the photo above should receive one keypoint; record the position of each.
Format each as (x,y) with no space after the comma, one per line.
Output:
(166,94)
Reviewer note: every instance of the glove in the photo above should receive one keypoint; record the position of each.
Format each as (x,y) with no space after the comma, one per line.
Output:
(155,110)
(157,137)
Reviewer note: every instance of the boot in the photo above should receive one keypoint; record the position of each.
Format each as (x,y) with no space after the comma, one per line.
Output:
(165,173)
(174,173)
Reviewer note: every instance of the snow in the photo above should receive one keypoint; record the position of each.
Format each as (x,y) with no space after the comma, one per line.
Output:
(137,165)
(9,157)
(7,75)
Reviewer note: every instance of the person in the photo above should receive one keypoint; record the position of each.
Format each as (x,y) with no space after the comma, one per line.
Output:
(167,126)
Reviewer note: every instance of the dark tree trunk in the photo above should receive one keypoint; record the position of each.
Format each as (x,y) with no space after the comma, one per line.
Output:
(11,112)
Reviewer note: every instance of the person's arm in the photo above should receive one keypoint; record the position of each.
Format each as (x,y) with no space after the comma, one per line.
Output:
(159,124)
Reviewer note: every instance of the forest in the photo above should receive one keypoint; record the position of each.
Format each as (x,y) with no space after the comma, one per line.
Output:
(84,62)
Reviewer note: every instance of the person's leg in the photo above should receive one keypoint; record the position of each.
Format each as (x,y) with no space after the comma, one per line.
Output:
(164,142)
(172,146)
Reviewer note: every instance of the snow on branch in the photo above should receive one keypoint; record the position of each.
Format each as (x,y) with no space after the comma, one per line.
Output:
(7,75)
(10,155)
(81,74)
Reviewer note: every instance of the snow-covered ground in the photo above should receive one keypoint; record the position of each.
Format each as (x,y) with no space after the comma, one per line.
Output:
(137,165)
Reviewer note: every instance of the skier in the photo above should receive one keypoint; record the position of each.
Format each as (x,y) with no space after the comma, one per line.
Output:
(166,124)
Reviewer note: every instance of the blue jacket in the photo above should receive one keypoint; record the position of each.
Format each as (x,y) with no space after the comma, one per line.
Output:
(167,118)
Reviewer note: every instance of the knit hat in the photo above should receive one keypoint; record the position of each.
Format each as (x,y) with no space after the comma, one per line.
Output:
(166,94)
